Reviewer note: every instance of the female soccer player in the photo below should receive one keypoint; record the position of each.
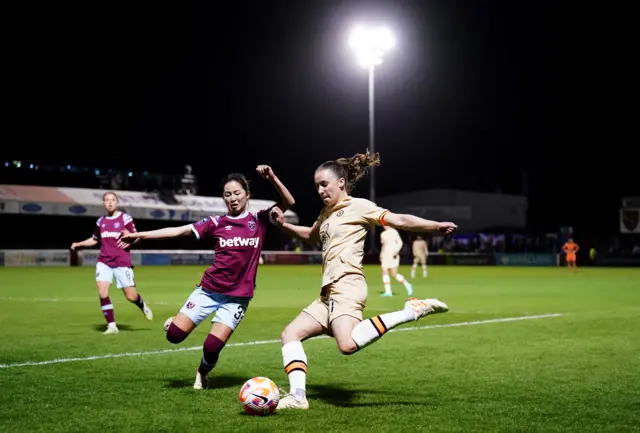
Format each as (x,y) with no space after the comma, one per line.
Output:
(391,243)
(341,229)
(113,261)
(229,284)
(420,251)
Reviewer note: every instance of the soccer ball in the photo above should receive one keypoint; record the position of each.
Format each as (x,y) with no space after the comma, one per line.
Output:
(168,323)
(259,396)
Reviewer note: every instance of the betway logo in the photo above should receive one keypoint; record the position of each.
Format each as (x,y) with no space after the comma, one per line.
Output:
(240,242)
(110,235)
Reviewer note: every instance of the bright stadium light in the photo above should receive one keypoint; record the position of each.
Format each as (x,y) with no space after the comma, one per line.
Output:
(370,44)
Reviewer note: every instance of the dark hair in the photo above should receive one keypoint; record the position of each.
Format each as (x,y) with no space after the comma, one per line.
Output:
(237,177)
(352,169)
(104,196)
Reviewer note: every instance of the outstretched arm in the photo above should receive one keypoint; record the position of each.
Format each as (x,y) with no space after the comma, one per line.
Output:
(286,199)
(307,234)
(416,224)
(89,242)
(165,233)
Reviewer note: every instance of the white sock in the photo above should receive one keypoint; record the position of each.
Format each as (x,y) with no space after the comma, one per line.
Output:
(402,280)
(387,283)
(295,365)
(413,270)
(424,271)
(370,330)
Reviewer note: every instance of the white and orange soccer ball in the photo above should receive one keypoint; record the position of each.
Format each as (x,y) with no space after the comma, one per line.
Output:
(259,396)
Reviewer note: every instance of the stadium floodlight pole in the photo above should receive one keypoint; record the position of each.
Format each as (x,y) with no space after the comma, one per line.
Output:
(370,44)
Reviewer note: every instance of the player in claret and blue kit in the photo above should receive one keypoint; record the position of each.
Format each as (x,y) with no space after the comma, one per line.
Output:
(114,260)
(228,285)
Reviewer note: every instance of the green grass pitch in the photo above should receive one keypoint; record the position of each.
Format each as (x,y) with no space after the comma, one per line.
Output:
(577,371)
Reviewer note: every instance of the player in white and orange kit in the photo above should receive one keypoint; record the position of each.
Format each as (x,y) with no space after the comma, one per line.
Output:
(420,251)
(391,243)
(342,228)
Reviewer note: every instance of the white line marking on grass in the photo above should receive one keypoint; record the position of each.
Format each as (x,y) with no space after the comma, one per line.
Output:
(12,298)
(258,343)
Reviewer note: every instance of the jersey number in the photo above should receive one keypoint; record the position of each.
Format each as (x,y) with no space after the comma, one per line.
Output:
(240,313)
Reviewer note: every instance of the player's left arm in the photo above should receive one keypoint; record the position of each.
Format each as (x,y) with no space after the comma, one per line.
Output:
(286,199)
(413,223)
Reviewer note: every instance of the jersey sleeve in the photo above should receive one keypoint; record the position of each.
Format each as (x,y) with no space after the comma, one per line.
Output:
(263,215)
(205,227)
(371,213)
(96,230)
(316,225)
(129,224)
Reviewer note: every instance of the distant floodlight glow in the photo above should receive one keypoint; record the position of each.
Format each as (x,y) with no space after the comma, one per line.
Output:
(370,44)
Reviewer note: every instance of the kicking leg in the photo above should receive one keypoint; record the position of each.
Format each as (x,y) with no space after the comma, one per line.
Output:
(370,330)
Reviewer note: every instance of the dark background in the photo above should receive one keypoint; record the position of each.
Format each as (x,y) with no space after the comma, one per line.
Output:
(488,96)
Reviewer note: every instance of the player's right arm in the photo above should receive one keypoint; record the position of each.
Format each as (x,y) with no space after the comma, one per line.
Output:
(307,234)
(89,242)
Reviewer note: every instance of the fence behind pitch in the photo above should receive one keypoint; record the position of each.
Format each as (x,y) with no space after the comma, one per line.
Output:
(205,257)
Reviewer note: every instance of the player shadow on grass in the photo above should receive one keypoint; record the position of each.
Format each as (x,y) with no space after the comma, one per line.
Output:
(215,382)
(338,396)
(102,327)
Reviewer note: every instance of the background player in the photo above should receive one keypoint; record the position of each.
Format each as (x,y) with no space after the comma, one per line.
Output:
(113,261)
(391,243)
(228,285)
(570,248)
(420,251)
(341,228)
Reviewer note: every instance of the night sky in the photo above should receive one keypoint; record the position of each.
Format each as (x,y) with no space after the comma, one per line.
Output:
(477,95)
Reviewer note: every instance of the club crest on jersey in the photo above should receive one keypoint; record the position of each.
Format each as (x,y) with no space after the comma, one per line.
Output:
(116,225)
(252,225)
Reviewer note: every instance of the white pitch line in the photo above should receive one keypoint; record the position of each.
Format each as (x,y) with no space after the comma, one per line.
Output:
(16,299)
(258,343)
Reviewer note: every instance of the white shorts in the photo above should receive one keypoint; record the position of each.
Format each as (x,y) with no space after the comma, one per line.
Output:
(388,262)
(229,309)
(124,276)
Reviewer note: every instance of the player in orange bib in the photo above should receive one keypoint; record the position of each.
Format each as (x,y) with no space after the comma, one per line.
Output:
(570,248)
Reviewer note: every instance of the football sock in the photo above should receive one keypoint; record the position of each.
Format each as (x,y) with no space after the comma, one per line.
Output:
(107,309)
(402,280)
(210,354)
(370,330)
(387,283)
(295,365)
(139,302)
(176,335)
